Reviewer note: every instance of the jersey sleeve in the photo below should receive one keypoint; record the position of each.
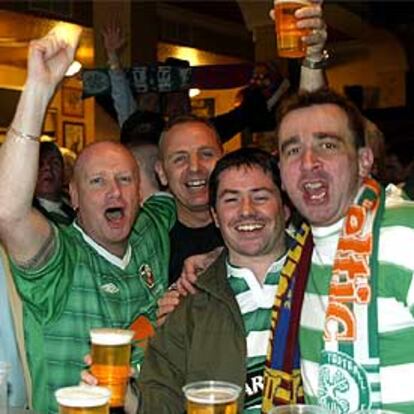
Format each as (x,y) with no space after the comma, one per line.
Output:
(44,289)
(161,208)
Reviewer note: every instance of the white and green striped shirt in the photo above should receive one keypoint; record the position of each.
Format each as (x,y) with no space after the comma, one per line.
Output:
(395,310)
(255,302)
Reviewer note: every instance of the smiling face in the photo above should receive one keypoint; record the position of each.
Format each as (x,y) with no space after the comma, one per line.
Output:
(249,214)
(320,166)
(105,190)
(189,152)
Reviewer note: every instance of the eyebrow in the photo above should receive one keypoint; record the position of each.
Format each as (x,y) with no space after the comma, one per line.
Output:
(318,135)
(253,190)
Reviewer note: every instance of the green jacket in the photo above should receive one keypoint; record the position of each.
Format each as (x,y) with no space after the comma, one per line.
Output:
(203,339)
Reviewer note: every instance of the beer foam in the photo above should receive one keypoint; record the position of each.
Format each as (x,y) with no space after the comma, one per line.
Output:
(83,396)
(304,2)
(212,393)
(111,336)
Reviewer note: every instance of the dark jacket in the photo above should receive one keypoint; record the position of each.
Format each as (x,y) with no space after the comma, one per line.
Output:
(203,339)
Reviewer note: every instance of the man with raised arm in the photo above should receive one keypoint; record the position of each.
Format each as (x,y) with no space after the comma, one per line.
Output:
(357,321)
(105,270)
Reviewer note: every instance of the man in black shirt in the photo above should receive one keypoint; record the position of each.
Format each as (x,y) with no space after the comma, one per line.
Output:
(189,149)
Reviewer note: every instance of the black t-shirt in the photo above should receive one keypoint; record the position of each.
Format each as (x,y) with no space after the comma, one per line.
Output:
(186,242)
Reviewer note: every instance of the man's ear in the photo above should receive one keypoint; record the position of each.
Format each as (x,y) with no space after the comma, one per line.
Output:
(159,169)
(73,193)
(214,215)
(365,161)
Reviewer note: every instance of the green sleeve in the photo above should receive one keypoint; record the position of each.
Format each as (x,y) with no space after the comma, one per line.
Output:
(161,208)
(44,290)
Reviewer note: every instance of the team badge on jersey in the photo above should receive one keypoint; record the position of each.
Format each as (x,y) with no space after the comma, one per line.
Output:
(146,275)
(343,384)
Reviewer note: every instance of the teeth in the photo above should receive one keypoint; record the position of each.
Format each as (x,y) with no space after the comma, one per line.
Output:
(313,186)
(249,227)
(196,183)
(318,196)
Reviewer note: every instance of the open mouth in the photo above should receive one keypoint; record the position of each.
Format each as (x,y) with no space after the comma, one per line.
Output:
(315,191)
(113,214)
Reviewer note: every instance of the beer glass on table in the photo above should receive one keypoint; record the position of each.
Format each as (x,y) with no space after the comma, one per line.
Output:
(288,36)
(111,354)
(84,399)
(211,397)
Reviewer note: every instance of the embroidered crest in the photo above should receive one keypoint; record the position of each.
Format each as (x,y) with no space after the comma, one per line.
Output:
(146,274)
(110,288)
(343,384)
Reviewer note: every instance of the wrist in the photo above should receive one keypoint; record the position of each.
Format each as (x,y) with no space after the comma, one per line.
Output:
(319,61)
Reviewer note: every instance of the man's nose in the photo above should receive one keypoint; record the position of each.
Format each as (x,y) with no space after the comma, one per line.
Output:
(194,162)
(310,160)
(114,189)
(246,206)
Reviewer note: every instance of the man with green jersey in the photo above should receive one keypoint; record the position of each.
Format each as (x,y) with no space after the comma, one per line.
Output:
(105,270)
(356,325)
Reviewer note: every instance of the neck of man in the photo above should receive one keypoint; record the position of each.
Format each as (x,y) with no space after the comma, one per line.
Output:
(193,219)
(259,265)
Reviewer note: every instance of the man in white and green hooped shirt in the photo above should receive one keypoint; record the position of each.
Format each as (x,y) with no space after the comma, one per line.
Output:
(222,332)
(357,325)
(107,269)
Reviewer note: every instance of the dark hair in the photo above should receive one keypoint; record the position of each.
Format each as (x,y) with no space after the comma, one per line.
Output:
(47,147)
(142,127)
(243,157)
(324,96)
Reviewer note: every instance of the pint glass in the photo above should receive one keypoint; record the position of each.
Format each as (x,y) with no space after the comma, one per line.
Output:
(111,354)
(85,399)
(289,37)
(211,397)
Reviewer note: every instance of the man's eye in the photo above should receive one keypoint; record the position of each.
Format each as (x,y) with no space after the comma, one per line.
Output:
(291,151)
(125,179)
(229,200)
(260,198)
(178,160)
(329,145)
(96,180)
(207,154)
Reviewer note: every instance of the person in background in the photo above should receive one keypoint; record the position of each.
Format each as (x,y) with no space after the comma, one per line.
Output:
(222,331)
(108,268)
(49,198)
(140,133)
(357,321)
(255,111)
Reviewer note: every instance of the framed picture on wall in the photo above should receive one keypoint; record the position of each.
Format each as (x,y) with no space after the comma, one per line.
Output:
(205,108)
(72,102)
(74,136)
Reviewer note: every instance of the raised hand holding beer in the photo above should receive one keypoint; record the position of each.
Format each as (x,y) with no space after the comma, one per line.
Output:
(300,29)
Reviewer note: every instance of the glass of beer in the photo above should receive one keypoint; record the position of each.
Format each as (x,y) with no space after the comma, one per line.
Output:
(299,409)
(375,411)
(84,399)
(211,397)
(288,36)
(111,354)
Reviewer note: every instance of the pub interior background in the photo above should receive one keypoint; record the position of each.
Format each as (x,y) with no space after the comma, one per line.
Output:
(371,45)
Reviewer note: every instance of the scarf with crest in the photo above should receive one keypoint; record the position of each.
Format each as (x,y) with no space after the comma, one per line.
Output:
(352,298)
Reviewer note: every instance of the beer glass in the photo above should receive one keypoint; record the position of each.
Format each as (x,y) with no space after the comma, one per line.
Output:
(211,397)
(84,399)
(111,354)
(289,37)
(299,409)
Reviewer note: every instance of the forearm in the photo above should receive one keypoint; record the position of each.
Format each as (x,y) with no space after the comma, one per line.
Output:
(19,156)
